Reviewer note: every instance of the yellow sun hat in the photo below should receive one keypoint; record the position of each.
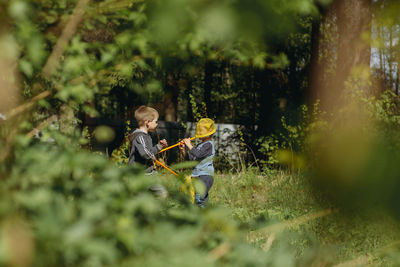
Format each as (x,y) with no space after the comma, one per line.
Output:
(205,127)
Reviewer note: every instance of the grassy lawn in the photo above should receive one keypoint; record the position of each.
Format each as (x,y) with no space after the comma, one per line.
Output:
(330,237)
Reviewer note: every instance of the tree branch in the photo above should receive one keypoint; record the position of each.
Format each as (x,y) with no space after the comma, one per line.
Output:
(67,34)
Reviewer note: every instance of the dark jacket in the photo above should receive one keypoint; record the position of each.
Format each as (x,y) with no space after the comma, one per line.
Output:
(142,149)
(204,153)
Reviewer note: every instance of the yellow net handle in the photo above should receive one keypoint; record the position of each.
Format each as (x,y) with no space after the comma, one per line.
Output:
(177,144)
(165,167)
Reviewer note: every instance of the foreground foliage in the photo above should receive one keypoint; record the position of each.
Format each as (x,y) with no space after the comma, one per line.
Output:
(67,206)
(72,207)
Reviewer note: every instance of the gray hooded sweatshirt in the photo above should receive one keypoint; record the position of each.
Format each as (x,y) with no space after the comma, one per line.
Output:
(142,149)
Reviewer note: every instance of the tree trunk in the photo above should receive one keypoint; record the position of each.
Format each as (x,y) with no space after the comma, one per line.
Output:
(228,83)
(397,79)
(313,76)
(390,58)
(209,71)
(354,25)
(267,109)
(381,59)
(171,97)
(321,55)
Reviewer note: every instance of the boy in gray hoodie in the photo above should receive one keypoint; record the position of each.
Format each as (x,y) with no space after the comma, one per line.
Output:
(142,149)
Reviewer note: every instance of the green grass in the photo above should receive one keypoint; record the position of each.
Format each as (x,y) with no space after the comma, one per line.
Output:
(258,200)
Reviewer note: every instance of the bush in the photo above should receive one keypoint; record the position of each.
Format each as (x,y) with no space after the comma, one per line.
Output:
(351,153)
(61,205)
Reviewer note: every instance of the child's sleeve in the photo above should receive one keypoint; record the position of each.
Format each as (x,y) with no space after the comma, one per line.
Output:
(145,147)
(155,149)
(200,153)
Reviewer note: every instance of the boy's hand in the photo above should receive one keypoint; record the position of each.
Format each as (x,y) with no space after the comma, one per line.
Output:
(163,143)
(188,143)
(182,147)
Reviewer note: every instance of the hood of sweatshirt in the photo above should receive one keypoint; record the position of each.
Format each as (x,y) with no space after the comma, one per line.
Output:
(135,133)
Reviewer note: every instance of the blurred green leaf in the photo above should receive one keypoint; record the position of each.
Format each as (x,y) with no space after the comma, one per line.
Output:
(104,134)
(184,165)
(18,9)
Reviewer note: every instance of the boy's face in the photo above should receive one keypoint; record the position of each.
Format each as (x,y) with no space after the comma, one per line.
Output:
(152,125)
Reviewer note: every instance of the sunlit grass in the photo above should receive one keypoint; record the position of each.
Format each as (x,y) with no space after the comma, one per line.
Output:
(258,200)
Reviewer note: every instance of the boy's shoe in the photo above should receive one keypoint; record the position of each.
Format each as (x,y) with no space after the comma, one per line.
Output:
(153,172)
(197,199)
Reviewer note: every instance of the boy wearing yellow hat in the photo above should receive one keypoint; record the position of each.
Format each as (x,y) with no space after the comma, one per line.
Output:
(204,153)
